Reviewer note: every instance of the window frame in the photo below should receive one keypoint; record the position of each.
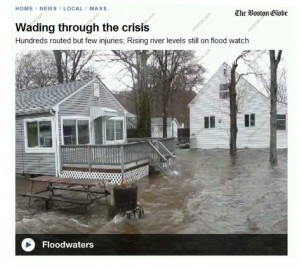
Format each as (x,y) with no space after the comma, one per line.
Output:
(39,149)
(210,121)
(224,91)
(281,120)
(117,118)
(249,120)
(76,118)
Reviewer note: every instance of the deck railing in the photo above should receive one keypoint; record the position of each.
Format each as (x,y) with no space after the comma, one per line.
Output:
(115,155)
(111,155)
(169,143)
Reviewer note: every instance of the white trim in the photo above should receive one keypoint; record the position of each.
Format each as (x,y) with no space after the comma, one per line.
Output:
(209,125)
(244,121)
(74,117)
(104,130)
(107,89)
(117,118)
(75,92)
(125,126)
(92,136)
(57,147)
(39,149)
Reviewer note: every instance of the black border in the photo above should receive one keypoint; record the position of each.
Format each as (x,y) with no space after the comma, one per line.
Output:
(160,244)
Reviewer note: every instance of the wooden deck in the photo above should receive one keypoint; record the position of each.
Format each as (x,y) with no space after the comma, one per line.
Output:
(118,157)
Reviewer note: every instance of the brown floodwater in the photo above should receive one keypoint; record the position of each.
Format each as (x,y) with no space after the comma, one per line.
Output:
(208,193)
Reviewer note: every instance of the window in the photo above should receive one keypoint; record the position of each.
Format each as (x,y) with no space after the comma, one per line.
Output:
(114,129)
(76,131)
(249,120)
(110,129)
(83,131)
(224,91)
(38,135)
(281,121)
(119,129)
(209,122)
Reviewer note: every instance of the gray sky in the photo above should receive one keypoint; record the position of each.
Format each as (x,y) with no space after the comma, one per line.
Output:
(116,79)
(212,59)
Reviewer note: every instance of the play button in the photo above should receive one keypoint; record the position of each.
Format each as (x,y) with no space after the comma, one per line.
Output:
(28,244)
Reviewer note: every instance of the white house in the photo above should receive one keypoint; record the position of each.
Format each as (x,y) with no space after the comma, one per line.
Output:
(209,115)
(157,127)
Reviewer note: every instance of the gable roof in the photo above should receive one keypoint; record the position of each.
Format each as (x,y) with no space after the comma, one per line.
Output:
(224,64)
(220,69)
(43,99)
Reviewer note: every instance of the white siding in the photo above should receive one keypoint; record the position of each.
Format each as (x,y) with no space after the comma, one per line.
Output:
(208,103)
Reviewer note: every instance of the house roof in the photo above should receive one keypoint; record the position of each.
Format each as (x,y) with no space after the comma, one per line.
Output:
(226,66)
(43,99)
(159,120)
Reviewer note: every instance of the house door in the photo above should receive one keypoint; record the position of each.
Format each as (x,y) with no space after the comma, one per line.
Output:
(98,130)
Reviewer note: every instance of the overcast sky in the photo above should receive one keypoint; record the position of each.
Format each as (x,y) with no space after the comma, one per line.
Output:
(211,59)
(115,78)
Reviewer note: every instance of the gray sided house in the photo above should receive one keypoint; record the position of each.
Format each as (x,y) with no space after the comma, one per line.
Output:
(78,113)
(210,121)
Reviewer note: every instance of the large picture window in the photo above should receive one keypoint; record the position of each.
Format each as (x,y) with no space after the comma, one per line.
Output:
(76,131)
(38,135)
(114,129)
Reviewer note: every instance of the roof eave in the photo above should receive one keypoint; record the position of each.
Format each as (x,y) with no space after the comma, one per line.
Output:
(34,111)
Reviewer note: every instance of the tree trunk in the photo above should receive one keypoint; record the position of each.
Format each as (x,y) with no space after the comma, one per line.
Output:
(165,118)
(144,124)
(233,110)
(58,59)
(165,96)
(273,109)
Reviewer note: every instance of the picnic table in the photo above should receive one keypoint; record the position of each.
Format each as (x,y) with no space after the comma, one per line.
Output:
(88,188)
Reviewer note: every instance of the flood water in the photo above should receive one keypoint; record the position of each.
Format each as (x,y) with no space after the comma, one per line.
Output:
(208,193)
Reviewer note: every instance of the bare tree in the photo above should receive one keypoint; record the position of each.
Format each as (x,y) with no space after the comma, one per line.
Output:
(58,62)
(41,68)
(260,66)
(177,106)
(35,69)
(274,61)
(137,65)
(233,107)
(177,69)
(71,64)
